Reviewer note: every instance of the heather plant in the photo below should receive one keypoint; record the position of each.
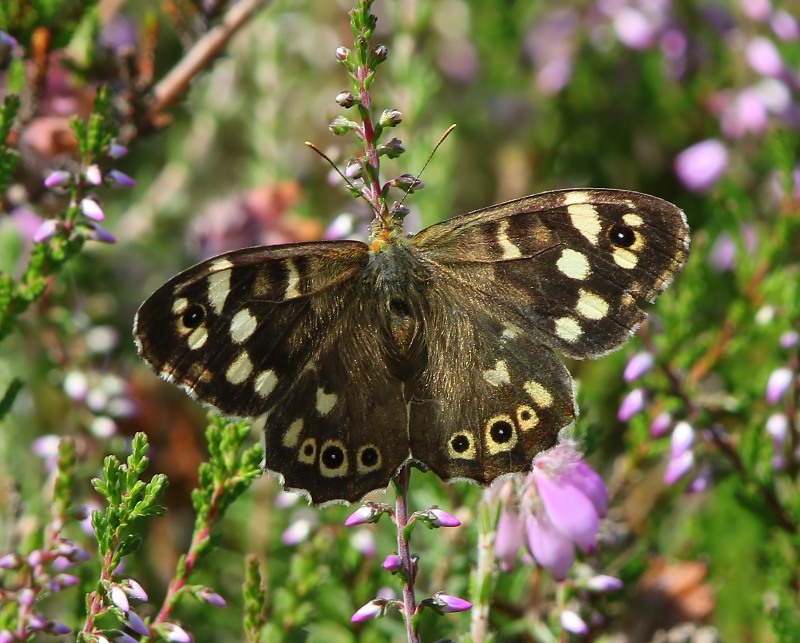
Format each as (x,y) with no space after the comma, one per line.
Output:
(671,513)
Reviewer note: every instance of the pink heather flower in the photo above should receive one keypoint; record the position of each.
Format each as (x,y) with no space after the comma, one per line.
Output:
(176,633)
(634,29)
(55,628)
(758,10)
(7,40)
(638,365)
(677,467)
(392,563)
(119,598)
(633,403)
(91,209)
(778,428)
(682,439)
(702,481)
(134,589)
(116,151)
(448,604)
(119,179)
(374,609)
(46,231)
(508,538)
(440,518)
(572,498)
(779,382)
(340,227)
(661,424)
(789,339)
(785,26)
(134,622)
(700,166)
(207,595)
(99,233)
(746,114)
(763,57)
(58,179)
(10,561)
(722,257)
(297,532)
(122,637)
(93,175)
(363,541)
(601,583)
(571,622)
(366,513)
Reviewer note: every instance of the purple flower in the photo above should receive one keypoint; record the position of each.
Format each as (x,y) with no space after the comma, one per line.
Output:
(366,513)
(722,257)
(778,429)
(661,424)
(681,455)
(58,179)
(602,583)
(758,10)
(363,541)
(440,518)
(745,114)
(7,40)
(374,609)
(99,233)
(701,481)
(93,175)
(763,57)
(789,339)
(297,532)
(46,231)
(508,538)
(119,598)
(134,622)
(134,589)
(116,151)
(571,622)
(779,382)
(633,403)
(785,26)
(634,29)
(700,166)
(119,179)
(638,365)
(392,563)
(91,209)
(207,595)
(448,604)
(176,633)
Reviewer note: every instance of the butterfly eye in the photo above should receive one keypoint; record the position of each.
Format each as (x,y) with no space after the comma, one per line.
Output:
(622,236)
(193,316)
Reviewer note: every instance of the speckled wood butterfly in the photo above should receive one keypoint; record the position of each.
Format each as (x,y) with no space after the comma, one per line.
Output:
(437,348)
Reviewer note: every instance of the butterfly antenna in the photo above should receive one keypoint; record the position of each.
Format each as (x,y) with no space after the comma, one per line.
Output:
(430,156)
(338,171)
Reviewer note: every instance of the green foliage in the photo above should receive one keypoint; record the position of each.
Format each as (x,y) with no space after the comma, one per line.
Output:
(21,18)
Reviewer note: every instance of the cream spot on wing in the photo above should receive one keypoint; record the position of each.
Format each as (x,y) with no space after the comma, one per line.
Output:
(511,331)
(265,382)
(510,251)
(591,305)
(501,434)
(292,281)
(292,435)
(461,446)
(333,459)
(198,337)
(539,394)
(568,329)
(179,305)
(576,196)
(624,258)
(586,220)
(240,369)
(307,453)
(526,418)
(573,264)
(325,401)
(219,287)
(499,375)
(632,219)
(243,325)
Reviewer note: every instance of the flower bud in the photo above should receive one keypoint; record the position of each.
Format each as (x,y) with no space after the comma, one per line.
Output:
(390,118)
(346,99)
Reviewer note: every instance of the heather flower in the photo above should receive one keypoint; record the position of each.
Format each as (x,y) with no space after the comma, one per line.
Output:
(440,518)
(562,502)
(571,622)
(763,57)
(93,175)
(119,179)
(116,150)
(778,429)
(602,583)
(700,166)
(366,513)
(134,621)
(661,424)
(207,595)
(119,598)
(785,26)
(374,609)
(789,339)
(638,365)
(175,633)
(778,383)
(58,179)
(722,257)
(99,233)
(702,481)
(46,231)
(448,604)
(363,541)
(392,563)
(632,404)
(297,532)
(681,455)
(340,227)
(91,209)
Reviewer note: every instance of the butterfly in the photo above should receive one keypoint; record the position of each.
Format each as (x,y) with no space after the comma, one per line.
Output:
(438,348)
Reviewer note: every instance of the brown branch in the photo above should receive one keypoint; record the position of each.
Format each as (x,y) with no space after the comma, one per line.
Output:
(177,81)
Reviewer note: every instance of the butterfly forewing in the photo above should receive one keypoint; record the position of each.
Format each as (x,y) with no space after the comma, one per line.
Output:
(437,348)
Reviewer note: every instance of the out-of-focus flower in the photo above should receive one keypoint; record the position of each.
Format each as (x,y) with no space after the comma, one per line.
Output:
(91,209)
(638,365)
(46,231)
(778,383)
(785,26)
(58,179)
(298,531)
(363,541)
(681,455)
(571,622)
(93,175)
(603,583)
(722,257)
(119,179)
(634,402)
(763,57)
(661,424)
(700,166)
(789,339)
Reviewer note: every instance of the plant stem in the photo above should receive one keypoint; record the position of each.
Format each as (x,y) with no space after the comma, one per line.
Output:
(404,551)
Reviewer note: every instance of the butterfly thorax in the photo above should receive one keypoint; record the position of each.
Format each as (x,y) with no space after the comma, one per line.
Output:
(398,278)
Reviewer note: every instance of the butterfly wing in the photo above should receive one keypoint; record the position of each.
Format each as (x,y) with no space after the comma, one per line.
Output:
(260,331)
(559,270)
